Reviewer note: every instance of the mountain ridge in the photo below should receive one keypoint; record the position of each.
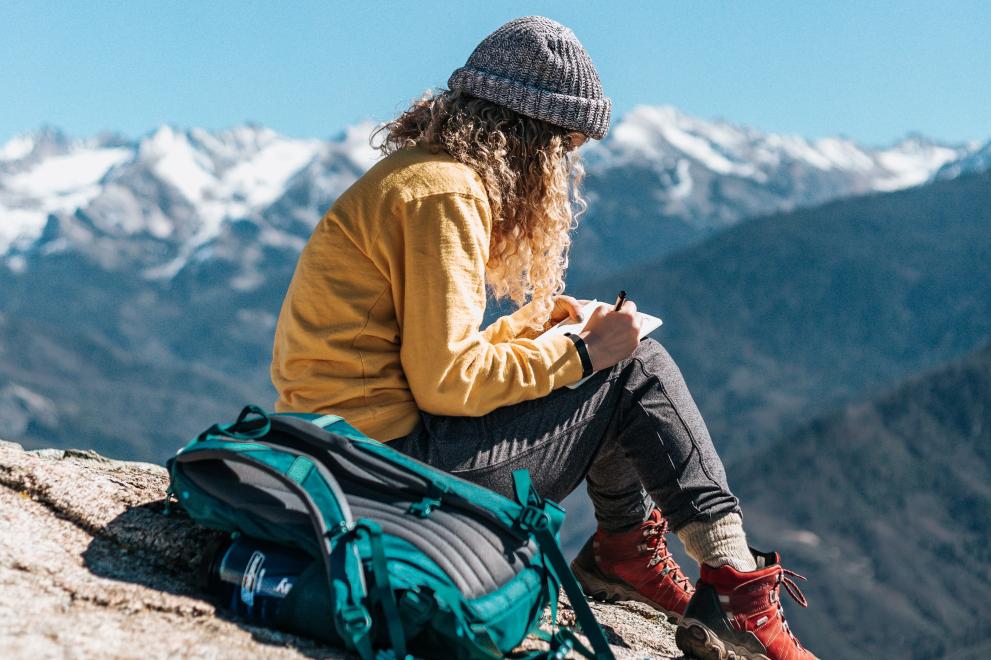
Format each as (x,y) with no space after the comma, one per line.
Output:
(886,505)
(165,195)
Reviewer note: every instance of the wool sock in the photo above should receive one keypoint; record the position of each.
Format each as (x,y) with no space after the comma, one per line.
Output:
(718,542)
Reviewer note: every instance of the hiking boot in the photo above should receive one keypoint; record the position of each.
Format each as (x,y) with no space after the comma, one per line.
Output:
(736,615)
(634,565)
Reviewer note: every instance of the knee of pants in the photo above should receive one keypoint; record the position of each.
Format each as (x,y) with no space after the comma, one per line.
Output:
(651,361)
(652,353)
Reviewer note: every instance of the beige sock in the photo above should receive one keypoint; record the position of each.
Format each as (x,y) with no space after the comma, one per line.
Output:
(718,542)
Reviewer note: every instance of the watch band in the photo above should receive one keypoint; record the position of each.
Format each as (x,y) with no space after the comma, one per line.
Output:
(582,353)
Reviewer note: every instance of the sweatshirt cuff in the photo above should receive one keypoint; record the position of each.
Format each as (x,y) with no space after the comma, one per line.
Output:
(564,362)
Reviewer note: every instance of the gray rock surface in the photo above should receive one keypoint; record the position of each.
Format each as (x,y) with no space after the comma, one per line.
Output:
(90,567)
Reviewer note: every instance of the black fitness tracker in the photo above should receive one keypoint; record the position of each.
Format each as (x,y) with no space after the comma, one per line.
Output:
(582,353)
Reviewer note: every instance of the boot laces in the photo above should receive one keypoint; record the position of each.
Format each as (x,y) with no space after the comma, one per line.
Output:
(784,578)
(655,531)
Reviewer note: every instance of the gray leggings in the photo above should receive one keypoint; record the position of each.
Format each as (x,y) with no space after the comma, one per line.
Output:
(632,432)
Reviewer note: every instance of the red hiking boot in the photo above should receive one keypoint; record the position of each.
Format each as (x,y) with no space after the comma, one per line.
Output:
(736,615)
(634,565)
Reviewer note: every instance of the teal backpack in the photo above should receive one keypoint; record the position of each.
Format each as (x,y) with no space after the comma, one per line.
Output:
(405,557)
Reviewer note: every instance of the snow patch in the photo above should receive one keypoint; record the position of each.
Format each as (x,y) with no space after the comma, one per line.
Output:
(703,152)
(176,162)
(17,148)
(708,143)
(17,264)
(683,187)
(260,180)
(799,149)
(19,228)
(911,164)
(843,154)
(231,175)
(58,184)
(979,160)
(67,174)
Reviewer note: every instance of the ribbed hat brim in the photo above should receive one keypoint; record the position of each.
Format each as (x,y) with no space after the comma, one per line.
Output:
(590,116)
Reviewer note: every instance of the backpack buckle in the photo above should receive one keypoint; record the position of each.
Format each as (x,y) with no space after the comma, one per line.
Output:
(432,500)
(533,519)
(354,620)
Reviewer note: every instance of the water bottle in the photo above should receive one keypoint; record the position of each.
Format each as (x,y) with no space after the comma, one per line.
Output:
(252,578)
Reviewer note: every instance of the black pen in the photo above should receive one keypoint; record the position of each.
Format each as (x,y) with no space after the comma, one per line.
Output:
(620,299)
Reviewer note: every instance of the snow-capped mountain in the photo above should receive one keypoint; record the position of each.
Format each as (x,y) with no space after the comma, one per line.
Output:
(153,206)
(979,160)
(713,173)
(663,133)
(153,202)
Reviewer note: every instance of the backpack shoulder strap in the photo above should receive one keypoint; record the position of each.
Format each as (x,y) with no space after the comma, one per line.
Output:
(536,519)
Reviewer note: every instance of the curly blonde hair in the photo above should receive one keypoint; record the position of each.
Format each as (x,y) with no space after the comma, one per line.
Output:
(532,177)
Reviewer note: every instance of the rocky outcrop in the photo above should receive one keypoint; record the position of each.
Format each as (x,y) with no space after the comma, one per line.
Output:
(89,567)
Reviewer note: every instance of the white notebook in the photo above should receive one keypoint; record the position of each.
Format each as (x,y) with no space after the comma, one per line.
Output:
(648,324)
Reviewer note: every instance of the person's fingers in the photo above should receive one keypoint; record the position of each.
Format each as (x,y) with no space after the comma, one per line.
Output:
(629,309)
(566,307)
(597,314)
(574,308)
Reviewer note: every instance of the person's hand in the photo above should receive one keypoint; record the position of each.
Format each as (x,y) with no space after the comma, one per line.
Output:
(565,307)
(611,336)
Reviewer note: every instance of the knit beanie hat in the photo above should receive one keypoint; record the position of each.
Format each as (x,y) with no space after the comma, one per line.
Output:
(537,67)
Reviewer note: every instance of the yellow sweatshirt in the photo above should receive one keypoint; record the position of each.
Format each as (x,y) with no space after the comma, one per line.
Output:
(383,313)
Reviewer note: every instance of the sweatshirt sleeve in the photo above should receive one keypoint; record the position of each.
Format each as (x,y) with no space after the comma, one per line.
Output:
(453,368)
(510,326)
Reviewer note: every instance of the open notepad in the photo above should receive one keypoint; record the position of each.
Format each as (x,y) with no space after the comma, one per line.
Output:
(648,324)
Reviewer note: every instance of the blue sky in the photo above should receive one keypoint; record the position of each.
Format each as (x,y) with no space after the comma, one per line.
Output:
(873,71)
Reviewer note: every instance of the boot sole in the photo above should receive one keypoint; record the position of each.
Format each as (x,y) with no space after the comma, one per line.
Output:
(605,590)
(695,640)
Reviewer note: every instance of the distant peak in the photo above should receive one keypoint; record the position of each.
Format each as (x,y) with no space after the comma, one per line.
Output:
(50,134)
(46,139)
(162,140)
(248,134)
(653,115)
(917,141)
